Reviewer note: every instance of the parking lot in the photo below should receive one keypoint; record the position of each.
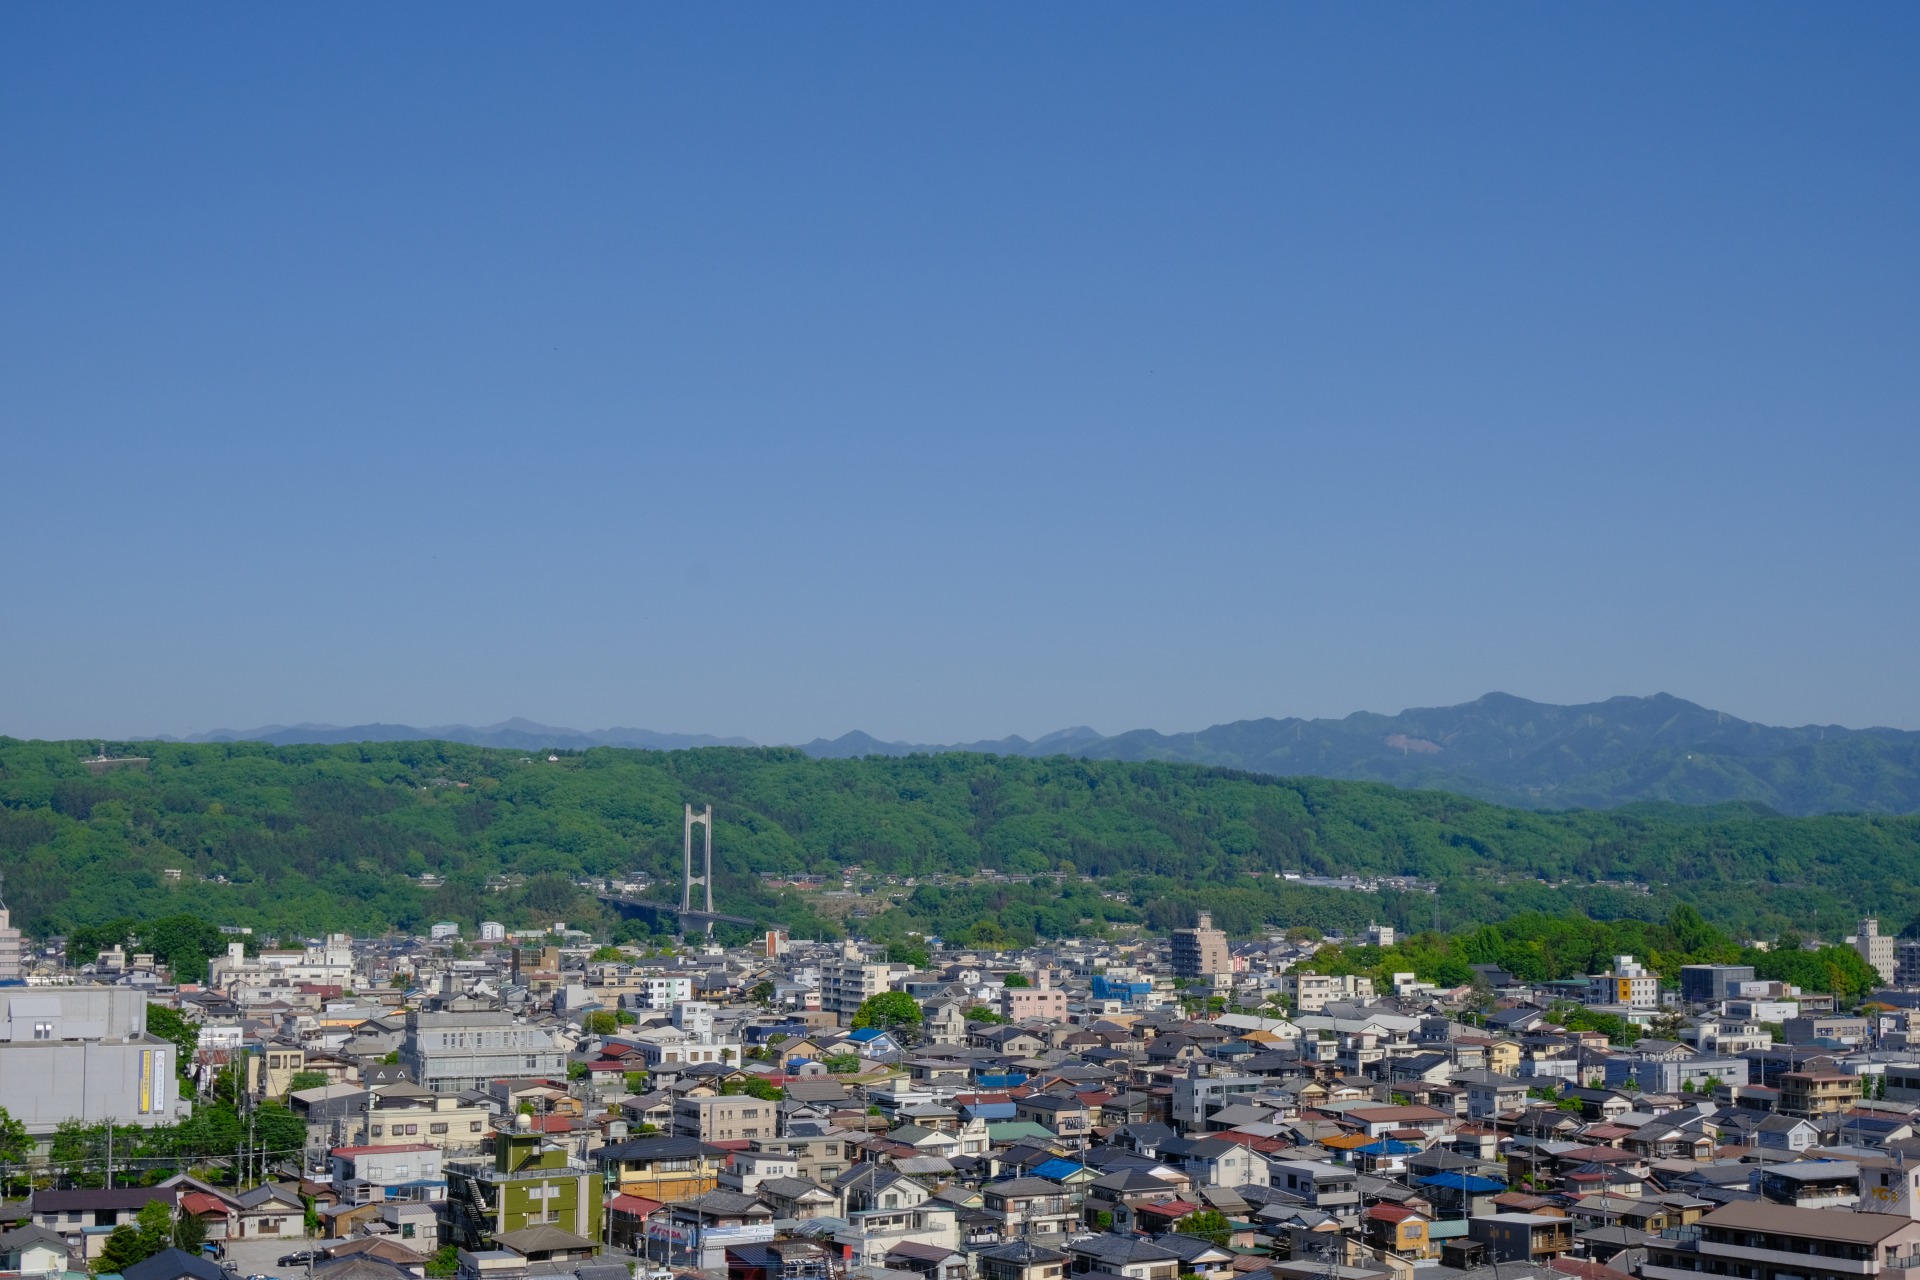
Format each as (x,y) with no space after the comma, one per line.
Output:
(260,1258)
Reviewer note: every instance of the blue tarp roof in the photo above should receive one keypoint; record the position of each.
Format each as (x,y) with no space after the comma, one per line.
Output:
(1387,1147)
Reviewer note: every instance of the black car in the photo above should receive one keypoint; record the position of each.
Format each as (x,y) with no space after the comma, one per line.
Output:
(301,1258)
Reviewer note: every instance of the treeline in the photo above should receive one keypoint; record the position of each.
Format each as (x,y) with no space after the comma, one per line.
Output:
(1539,948)
(304,839)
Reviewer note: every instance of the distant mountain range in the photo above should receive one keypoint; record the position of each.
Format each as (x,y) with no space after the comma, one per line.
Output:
(1500,748)
(515,734)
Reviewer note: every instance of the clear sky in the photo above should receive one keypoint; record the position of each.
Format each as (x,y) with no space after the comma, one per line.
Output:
(953,371)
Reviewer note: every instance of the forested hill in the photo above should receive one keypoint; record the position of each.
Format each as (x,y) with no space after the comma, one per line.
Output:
(1508,750)
(304,838)
(1534,754)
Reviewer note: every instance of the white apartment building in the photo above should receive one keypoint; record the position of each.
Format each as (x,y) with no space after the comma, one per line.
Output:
(849,980)
(1313,992)
(1629,983)
(690,1041)
(663,992)
(329,964)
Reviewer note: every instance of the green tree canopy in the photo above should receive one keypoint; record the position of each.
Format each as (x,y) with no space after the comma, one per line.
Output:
(1206,1224)
(889,1011)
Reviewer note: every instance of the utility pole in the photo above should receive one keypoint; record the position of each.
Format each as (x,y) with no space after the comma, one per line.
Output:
(109,1153)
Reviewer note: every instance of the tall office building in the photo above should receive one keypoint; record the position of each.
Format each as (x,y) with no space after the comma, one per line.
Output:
(13,949)
(1875,948)
(1201,952)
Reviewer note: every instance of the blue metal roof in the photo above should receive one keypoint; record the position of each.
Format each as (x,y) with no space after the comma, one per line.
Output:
(1462,1182)
(1056,1170)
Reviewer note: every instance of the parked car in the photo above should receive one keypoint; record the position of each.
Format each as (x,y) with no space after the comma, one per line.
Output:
(300,1258)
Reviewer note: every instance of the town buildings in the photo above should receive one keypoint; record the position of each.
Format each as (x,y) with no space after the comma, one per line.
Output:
(540,1112)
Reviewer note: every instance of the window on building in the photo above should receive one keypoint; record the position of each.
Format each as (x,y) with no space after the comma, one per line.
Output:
(532,1062)
(436,1128)
(43,1031)
(473,1126)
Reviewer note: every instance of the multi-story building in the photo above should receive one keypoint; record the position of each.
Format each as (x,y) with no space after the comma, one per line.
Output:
(1712,983)
(1698,1074)
(1329,1188)
(846,982)
(670,1170)
(1877,949)
(1766,1241)
(822,1151)
(721,1118)
(1727,1036)
(1042,1000)
(439,1121)
(1817,1093)
(467,1043)
(690,1041)
(1522,1237)
(1197,1095)
(329,964)
(395,1171)
(1201,952)
(84,1053)
(1069,1119)
(1813,1028)
(531,1181)
(1628,983)
(1029,1207)
(1312,992)
(13,948)
(1128,991)
(664,991)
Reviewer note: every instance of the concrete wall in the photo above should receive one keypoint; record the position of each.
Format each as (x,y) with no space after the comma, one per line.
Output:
(82,1053)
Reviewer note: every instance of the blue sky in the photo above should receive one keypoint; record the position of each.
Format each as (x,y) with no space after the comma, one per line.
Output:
(951,372)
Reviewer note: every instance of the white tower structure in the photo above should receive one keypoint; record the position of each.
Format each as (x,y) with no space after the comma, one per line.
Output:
(705,878)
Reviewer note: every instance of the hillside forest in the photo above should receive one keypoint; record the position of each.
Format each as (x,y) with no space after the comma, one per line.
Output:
(299,840)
